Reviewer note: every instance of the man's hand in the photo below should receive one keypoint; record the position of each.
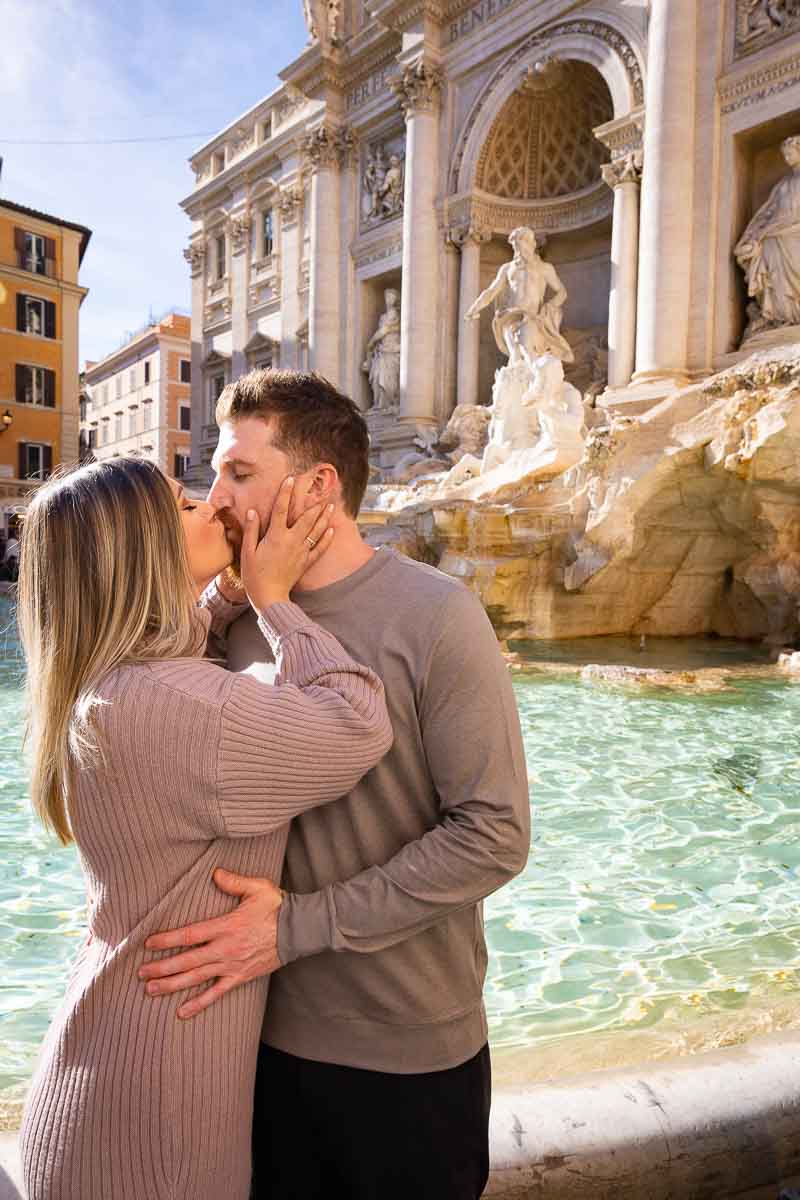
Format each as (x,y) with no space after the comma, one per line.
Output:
(231,950)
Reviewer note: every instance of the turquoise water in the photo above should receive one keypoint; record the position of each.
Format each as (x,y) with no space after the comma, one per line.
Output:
(661,889)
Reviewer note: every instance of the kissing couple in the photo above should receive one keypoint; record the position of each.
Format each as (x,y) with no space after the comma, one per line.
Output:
(292,767)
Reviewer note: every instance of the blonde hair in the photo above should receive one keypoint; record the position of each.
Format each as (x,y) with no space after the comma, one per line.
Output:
(104,580)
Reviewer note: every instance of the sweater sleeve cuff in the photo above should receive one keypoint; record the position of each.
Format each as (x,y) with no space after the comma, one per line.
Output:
(279,620)
(221,611)
(304,925)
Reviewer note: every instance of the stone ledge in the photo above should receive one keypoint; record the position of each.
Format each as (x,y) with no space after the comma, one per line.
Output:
(709,1127)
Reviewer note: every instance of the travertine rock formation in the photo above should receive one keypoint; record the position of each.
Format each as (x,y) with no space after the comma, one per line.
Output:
(683,521)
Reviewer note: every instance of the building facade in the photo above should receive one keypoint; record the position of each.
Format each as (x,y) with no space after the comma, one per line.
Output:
(40,299)
(410,137)
(138,398)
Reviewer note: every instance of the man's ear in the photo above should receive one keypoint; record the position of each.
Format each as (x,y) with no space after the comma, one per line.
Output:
(324,486)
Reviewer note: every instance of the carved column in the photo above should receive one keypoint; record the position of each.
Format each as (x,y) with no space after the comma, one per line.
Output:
(665,244)
(322,150)
(623,175)
(195,255)
(239,241)
(418,91)
(289,201)
(470,240)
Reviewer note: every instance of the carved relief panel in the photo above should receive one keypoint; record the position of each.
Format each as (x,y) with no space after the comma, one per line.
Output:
(759,22)
(382,179)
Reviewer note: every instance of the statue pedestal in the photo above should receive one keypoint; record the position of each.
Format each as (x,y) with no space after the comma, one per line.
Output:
(537,431)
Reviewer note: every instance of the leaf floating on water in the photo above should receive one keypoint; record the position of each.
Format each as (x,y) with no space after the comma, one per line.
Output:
(656,907)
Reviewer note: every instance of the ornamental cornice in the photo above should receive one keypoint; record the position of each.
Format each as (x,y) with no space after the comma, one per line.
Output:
(764,81)
(623,135)
(478,210)
(418,88)
(195,255)
(598,30)
(627,168)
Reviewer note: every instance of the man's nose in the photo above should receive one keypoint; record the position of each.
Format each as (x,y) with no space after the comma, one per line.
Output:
(217,496)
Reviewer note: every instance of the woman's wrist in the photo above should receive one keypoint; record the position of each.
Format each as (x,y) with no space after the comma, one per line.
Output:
(273,596)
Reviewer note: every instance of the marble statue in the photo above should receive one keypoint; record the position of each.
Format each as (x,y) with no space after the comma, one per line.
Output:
(525,325)
(382,361)
(323,20)
(391,197)
(769,251)
(466,432)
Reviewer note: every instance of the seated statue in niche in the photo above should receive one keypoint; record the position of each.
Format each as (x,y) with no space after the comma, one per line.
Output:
(525,325)
(382,359)
(769,251)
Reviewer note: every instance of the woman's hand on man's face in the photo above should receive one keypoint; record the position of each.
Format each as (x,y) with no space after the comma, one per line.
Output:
(271,565)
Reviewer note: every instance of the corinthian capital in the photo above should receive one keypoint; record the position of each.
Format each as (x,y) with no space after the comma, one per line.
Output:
(418,88)
(625,169)
(195,255)
(325,147)
(240,232)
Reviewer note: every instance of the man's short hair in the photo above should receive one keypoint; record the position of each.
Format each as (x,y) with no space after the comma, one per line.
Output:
(313,423)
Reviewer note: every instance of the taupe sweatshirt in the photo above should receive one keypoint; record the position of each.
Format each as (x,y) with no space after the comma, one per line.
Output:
(382,929)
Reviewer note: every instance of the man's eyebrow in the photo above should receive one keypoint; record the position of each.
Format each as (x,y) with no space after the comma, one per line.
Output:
(237,462)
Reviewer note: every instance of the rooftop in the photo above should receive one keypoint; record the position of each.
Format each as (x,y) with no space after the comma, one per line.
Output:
(43,216)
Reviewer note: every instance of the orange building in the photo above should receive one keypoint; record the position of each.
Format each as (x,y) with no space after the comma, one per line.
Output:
(40,299)
(138,398)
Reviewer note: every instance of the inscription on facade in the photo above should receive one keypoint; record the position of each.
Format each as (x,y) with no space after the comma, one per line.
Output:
(372,86)
(476,16)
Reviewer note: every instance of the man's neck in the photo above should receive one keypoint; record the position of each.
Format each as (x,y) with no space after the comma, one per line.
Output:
(347,555)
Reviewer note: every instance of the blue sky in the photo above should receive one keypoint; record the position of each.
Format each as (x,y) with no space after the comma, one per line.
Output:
(85,69)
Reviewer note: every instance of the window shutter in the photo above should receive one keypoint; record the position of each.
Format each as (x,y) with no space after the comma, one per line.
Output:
(47,461)
(20,313)
(22,378)
(176,466)
(50,389)
(19,244)
(23,460)
(49,256)
(49,319)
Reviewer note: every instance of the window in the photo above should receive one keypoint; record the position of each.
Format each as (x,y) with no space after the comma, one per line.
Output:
(219,162)
(221,264)
(147,409)
(118,427)
(36,385)
(118,386)
(185,418)
(35,315)
(266,129)
(181,465)
(186,371)
(104,432)
(93,437)
(35,460)
(105,394)
(82,408)
(147,370)
(267,234)
(132,379)
(131,421)
(35,252)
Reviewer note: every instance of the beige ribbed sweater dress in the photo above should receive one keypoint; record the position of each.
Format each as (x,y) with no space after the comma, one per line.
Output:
(202,769)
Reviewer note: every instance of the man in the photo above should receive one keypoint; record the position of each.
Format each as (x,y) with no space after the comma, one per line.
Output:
(374,1075)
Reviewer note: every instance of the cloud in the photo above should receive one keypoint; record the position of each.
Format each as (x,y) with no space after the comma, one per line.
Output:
(78,70)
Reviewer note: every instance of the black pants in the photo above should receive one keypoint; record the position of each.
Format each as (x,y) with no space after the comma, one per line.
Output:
(338,1133)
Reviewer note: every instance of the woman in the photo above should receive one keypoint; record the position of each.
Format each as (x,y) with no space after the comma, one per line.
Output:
(163,766)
